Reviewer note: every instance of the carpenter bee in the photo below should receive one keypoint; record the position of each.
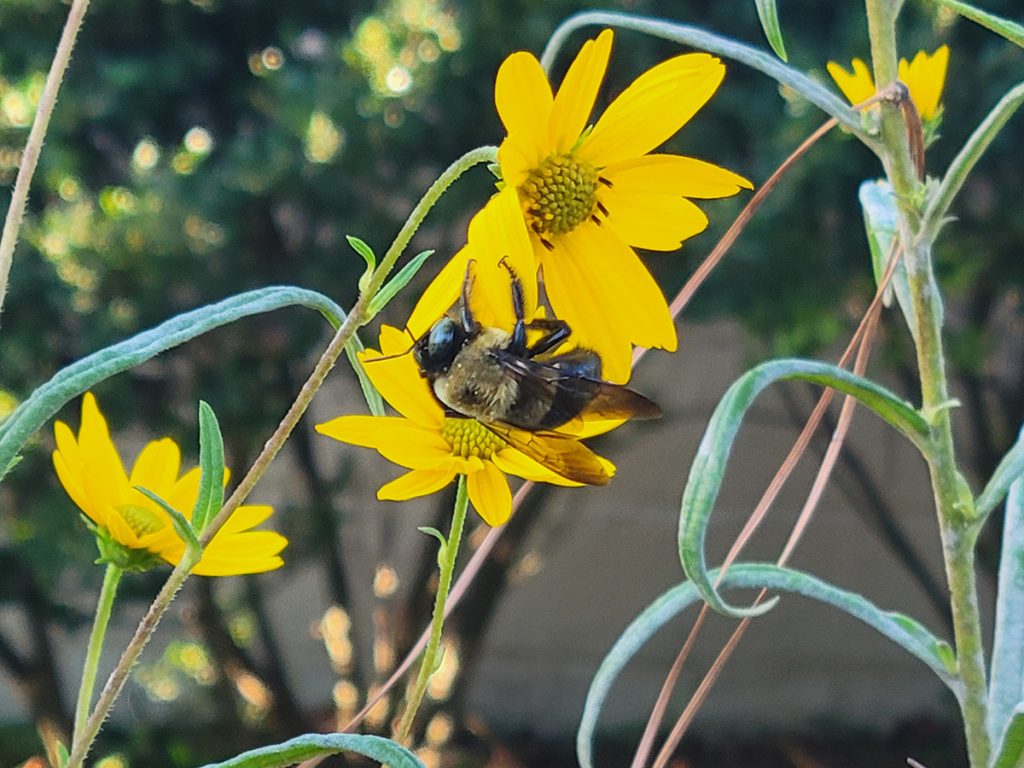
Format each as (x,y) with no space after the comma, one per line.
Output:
(521,388)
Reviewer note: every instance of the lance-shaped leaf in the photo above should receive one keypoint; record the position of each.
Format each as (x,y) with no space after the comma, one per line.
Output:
(708,467)
(193,549)
(1009,469)
(1011,750)
(312,745)
(391,288)
(78,377)
(1006,690)
(211,469)
(1011,30)
(769,16)
(902,630)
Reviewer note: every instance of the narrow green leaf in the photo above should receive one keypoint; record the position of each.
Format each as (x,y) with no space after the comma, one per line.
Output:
(1011,751)
(443,549)
(397,283)
(306,747)
(369,257)
(181,524)
(769,16)
(1011,30)
(1009,469)
(881,222)
(211,468)
(1006,689)
(62,754)
(905,632)
(708,467)
(78,377)
(373,399)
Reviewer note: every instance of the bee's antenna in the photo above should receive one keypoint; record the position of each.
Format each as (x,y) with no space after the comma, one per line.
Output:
(397,354)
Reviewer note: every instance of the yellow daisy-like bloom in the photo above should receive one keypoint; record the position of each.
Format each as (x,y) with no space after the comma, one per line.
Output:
(589,193)
(925,77)
(91,472)
(436,447)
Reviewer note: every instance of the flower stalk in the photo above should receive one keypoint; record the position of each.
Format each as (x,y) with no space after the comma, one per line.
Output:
(954,507)
(104,606)
(431,658)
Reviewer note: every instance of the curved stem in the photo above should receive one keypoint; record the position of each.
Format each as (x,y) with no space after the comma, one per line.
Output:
(104,605)
(34,145)
(754,58)
(115,683)
(968,157)
(430,657)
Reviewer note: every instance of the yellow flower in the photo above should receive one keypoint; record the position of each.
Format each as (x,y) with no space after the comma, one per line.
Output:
(436,446)
(589,193)
(91,472)
(924,78)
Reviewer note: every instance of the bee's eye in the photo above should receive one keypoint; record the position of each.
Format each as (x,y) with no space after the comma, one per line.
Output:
(442,344)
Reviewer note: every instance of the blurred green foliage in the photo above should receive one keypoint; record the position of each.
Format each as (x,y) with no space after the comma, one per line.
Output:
(203,147)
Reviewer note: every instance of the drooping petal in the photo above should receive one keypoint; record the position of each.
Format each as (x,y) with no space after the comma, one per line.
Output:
(653,108)
(156,468)
(241,553)
(523,98)
(396,439)
(857,86)
(653,221)
(490,495)
(418,482)
(673,175)
(397,378)
(575,98)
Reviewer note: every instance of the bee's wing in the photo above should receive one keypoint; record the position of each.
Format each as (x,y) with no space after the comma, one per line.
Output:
(576,395)
(562,455)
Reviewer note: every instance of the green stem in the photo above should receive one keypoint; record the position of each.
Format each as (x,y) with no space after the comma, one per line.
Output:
(430,655)
(34,145)
(957,520)
(111,579)
(115,683)
(701,39)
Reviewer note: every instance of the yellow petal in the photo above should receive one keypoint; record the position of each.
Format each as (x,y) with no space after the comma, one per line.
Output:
(576,94)
(442,293)
(103,473)
(857,86)
(490,495)
(418,482)
(652,108)
(673,175)
(499,232)
(513,462)
(925,77)
(185,491)
(398,380)
(655,222)
(247,516)
(396,439)
(241,553)
(72,484)
(156,468)
(523,97)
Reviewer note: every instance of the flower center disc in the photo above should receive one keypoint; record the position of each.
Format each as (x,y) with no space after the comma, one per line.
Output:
(468,437)
(559,194)
(141,520)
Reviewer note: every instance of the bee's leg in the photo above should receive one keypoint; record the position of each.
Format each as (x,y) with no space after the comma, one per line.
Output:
(469,323)
(555,332)
(518,344)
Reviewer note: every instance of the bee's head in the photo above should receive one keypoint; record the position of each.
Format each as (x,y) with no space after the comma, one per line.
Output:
(435,351)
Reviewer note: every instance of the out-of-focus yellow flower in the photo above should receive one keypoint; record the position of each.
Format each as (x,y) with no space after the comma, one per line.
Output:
(591,192)
(925,77)
(91,472)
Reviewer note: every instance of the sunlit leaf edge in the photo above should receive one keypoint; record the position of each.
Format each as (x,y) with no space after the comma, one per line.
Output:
(306,747)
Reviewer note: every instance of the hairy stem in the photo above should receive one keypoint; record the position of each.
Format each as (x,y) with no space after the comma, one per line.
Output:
(115,683)
(104,605)
(34,145)
(956,516)
(447,569)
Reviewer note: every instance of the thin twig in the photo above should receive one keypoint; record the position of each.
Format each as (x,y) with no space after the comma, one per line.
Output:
(34,145)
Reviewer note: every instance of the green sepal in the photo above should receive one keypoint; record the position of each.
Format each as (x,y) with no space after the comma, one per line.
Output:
(193,549)
(314,745)
(390,289)
(113,552)
(211,468)
(769,16)
(364,250)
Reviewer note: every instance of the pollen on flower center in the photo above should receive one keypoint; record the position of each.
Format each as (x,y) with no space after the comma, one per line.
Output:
(142,521)
(559,194)
(468,437)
